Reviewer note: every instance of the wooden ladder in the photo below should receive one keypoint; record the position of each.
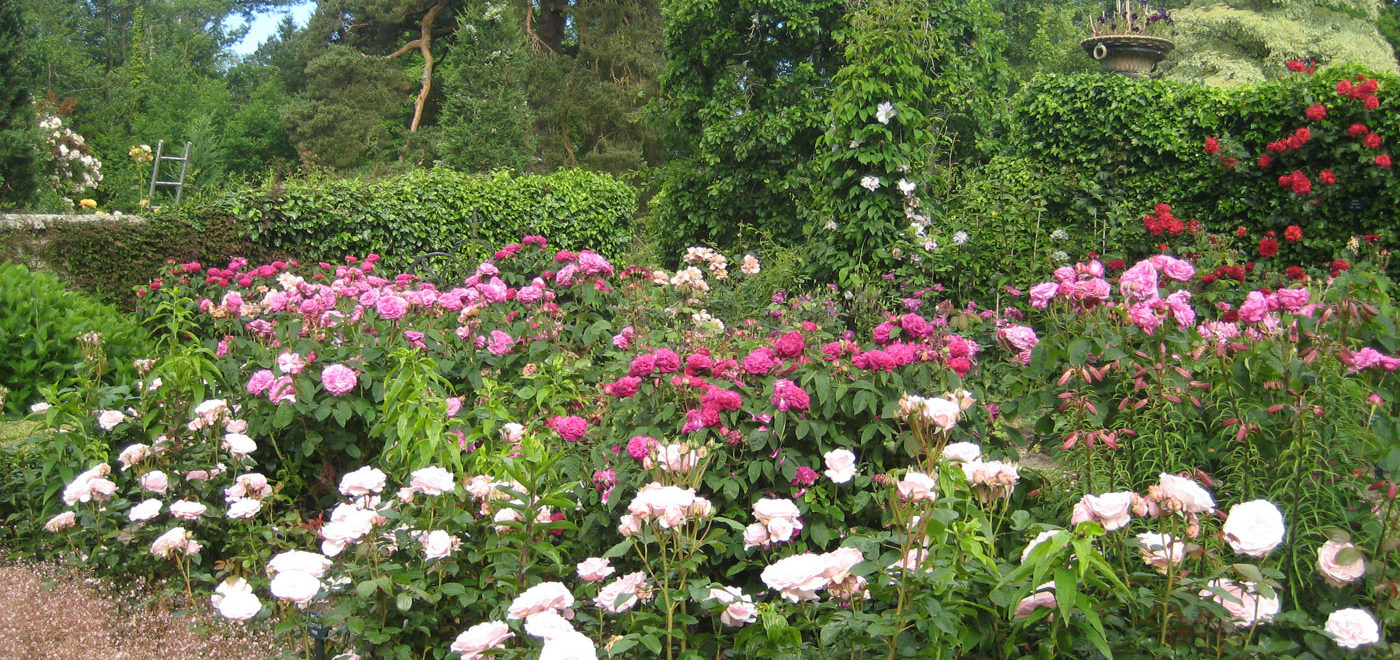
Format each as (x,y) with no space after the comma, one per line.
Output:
(178,184)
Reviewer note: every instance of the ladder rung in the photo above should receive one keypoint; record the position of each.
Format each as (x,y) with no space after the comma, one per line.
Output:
(172,157)
(169,183)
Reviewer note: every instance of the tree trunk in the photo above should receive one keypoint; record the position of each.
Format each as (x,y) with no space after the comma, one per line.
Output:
(424,44)
(550,33)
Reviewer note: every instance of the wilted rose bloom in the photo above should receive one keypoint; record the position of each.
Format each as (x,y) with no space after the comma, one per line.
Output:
(512,432)
(480,638)
(362,481)
(437,544)
(539,598)
(338,379)
(798,577)
(1160,551)
(295,586)
(186,510)
(1352,628)
(1112,510)
(1039,538)
(61,522)
(244,508)
(1245,606)
(145,510)
(109,419)
(1254,528)
(917,486)
(234,599)
(432,481)
(133,454)
(155,481)
(840,465)
(1044,596)
(594,569)
(1175,494)
(620,595)
(962,452)
(991,479)
(1334,573)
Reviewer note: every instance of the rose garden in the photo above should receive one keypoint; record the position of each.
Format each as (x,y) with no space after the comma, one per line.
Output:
(945,419)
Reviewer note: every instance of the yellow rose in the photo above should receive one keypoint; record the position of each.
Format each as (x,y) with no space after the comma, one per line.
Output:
(88,203)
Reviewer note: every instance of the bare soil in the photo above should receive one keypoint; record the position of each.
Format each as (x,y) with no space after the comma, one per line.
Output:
(47,611)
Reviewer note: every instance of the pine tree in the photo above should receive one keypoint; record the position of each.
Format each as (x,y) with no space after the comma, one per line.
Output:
(486,119)
(19,154)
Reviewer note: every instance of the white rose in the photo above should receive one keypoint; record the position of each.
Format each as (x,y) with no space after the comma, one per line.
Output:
(1254,528)
(1352,628)
(436,544)
(145,510)
(840,465)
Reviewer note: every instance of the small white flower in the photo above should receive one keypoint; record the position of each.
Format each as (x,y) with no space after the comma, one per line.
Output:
(960,238)
(885,112)
(1059,235)
(830,225)
(906,186)
(1060,257)
(930,245)
(870,183)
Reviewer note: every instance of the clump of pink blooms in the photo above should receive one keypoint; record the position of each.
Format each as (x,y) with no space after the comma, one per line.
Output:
(779,521)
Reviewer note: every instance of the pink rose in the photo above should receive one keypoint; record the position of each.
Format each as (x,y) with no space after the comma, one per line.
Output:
(432,481)
(620,595)
(260,381)
(1112,510)
(798,577)
(480,638)
(186,510)
(437,544)
(539,598)
(61,522)
(1241,602)
(917,486)
(1139,283)
(391,307)
(363,481)
(594,569)
(1334,573)
(1254,528)
(1044,596)
(840,465)
(338,379)
(1177,269)
(1352,628)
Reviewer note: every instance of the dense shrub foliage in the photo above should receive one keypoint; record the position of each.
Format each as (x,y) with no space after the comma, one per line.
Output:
(434,210)
(45,330)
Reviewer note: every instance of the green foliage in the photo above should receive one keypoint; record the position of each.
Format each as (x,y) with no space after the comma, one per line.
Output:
(1232,44)
(486,116)
(40,330)
(352,110)
(19,139)
(433,210)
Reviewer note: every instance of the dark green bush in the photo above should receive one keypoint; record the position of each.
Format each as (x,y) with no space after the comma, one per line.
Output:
(434,210)
(40,325)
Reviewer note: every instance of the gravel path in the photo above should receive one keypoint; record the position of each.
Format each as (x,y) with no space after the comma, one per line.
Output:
(49,612)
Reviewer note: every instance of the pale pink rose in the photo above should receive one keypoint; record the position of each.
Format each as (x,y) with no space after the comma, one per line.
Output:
(61,522)
(739,613)
(252,485)
(145,510)
(101,489)
(299,561)
(295,586)
(1161,551)
(620,595)
(244,508)
(781,518)
(594,569)
(840,465)
(234,599)
(1245,606)
(917,487)
(155,481)
(962,452)
(432,481)
(1039,538)
(291,363)
(109,419)
(1179,494)
(941,413)
(569,646)
(174,540)
(238,444)
(208,413)
(363,481)
(839,563)
(755,535)
(133,454)
(1352,628)
(512,432)
(541,597)
(187,510)
(438,544)
(798,577)
(1044,596)
(912,560)
(991,479)
(1254,528)
(480,638)
(547,625)
(1334,573)
(236,426)
(1112,510)
(629,525)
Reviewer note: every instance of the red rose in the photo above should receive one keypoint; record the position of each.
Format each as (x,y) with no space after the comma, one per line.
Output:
(960,366)
(1370,86)
(1270,233)
(1162,209)
(1248,268)
(1264,161)
(1285,181)
(1371,103)
(1295,273)
(1383,160)
(1303,133)
(1372,140)
(1338,266)
(1194,226)
(1358,130)
(1301,185)
(1327,177)
(1240,232)
(1209,279)
(1231,316)
(1117,264)
(1316,112)
(1343,87)
(1277,146)
(1371,238)
(1268,247)
(1293,233)
(1295,65)
(1212,146)
(1229,162)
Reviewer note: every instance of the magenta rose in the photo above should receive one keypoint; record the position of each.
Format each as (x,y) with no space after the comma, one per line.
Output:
(338,379)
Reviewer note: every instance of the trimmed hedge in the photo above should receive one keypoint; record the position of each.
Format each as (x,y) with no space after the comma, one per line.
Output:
(435,210)
(1119,146)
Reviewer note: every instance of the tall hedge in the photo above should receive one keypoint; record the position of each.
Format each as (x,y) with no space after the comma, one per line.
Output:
(434,210)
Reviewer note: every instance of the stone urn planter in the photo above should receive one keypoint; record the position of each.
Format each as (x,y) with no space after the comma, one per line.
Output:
(1131,55)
